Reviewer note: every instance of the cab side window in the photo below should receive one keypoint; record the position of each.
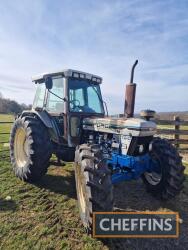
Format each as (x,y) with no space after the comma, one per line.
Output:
(54,103)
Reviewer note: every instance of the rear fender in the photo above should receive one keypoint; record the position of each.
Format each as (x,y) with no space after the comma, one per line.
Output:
(45,119)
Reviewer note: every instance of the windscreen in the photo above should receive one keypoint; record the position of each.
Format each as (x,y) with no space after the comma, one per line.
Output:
(84,96)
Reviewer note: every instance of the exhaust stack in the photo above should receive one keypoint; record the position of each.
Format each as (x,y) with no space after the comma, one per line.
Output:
(130,94)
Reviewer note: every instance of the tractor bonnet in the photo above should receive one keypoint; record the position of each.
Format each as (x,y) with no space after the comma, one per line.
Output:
(131,126)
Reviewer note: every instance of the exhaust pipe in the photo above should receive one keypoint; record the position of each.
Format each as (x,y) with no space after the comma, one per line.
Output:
(130,94)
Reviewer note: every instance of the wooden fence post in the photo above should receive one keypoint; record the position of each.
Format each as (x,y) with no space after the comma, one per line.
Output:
(177,128)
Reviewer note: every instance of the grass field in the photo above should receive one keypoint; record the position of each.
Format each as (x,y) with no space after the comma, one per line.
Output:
(45,215)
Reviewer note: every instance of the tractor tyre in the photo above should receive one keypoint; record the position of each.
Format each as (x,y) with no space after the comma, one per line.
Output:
(93,183)
(169,182)
(30,148)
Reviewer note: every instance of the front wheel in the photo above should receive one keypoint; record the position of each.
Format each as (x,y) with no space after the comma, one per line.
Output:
(167,181)
(93,183)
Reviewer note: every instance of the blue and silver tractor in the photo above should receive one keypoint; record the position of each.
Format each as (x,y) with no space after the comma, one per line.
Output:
(69,119)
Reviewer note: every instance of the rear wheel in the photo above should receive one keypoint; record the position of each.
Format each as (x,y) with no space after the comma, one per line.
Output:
(30,148)
(168,180)
(93,183)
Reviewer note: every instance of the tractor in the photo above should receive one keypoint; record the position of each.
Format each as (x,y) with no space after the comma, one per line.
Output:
(70,120)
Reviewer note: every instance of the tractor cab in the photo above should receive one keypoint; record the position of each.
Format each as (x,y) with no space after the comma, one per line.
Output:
(69,96)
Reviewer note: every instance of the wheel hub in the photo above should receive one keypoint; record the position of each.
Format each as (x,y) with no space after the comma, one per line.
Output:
(155,175)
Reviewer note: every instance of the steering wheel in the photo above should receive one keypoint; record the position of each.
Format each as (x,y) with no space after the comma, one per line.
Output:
(76,105)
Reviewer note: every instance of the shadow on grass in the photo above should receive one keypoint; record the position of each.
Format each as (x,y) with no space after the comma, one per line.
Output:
(59,184)
(7,205)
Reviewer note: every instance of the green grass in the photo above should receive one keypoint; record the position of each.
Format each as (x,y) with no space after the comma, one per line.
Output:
(45,215)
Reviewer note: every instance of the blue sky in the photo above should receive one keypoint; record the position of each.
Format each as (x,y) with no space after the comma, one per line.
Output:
(100,37)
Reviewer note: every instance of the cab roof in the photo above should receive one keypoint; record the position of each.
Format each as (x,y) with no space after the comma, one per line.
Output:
(68,73)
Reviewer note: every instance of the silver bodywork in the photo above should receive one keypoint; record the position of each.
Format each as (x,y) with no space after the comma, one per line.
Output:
(123,130)
(121,126)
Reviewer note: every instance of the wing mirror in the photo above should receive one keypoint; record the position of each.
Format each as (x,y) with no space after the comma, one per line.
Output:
(48,82)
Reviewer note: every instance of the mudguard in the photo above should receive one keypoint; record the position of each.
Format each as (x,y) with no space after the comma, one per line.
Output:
(43,116)
(46,120)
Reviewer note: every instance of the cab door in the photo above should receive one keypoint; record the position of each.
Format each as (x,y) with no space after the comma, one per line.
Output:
(55,106)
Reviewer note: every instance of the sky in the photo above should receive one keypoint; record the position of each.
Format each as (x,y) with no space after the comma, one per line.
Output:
(100,37)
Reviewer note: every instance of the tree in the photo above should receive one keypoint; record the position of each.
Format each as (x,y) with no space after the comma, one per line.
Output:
(14,107)
(10,106)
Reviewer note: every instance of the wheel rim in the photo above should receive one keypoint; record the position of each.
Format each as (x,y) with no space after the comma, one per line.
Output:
(153,177)
(21,148)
